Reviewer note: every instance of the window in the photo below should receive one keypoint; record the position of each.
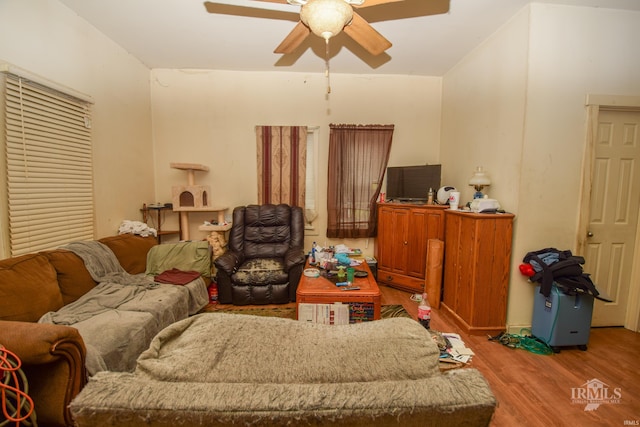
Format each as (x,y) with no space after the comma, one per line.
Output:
(358,157)
(48,193)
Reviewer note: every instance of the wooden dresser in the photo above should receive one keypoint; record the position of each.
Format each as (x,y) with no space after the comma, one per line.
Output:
(401,246)
(476,270)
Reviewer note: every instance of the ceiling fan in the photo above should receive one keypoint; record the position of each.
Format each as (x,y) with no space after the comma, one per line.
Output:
(325,18)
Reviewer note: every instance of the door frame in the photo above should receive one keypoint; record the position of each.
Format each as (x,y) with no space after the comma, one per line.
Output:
(595,104)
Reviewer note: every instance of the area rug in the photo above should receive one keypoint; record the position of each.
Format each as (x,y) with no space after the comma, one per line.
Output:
(386,311)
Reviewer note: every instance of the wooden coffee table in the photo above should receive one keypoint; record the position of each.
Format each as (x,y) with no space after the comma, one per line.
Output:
(320,290)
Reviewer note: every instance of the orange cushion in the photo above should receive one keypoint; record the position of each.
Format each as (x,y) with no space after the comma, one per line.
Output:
(29,288)
(131,250)
(73,278)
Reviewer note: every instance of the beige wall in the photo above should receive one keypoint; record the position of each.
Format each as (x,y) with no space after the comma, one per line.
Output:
(515,105)
(209,117)
(46,38)
(536,72)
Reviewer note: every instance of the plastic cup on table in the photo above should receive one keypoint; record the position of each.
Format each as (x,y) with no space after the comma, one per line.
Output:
(351,274)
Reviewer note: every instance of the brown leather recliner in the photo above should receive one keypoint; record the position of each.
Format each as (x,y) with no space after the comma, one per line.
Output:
(265,257)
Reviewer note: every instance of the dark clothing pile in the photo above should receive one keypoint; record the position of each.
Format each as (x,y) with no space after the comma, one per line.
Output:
(551,266)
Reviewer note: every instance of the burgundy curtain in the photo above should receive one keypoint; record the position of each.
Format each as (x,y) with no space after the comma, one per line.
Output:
(282,168)
(358,156)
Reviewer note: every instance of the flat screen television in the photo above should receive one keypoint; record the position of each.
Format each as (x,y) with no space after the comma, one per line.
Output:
(412,183)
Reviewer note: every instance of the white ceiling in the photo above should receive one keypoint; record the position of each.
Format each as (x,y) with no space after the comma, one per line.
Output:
(184,34)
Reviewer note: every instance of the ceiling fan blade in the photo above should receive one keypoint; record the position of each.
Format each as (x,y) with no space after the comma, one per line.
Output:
(369,3)
(404,9)
(278,6)
(366,36)
(293,39)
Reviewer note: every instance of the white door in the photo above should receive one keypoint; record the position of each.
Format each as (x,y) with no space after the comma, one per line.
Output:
(613,221)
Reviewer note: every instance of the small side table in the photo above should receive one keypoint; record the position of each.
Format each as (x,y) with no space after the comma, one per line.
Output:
(158,211)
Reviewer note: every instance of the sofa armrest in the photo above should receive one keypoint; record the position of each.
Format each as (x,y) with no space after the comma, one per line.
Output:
(293,257)
(229,262)
(294,279)
(53,358)
(39,343)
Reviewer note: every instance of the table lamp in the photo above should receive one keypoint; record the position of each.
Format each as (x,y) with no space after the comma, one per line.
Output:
(479,180)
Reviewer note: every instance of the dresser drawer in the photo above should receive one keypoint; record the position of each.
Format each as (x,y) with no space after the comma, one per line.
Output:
(411,284)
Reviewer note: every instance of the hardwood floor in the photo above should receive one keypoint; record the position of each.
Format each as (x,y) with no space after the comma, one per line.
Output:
(536,390)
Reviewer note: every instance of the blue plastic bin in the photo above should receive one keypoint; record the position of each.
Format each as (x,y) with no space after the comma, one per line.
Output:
(562,320)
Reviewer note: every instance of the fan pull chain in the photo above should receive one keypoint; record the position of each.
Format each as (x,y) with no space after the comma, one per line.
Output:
(327,69)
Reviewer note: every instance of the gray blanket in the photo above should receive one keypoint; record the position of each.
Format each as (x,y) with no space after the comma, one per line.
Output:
(102,264)
(118,318)
(221,347)
(104,297)
(115,285)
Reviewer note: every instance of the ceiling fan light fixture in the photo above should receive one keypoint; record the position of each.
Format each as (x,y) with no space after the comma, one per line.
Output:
(326,18)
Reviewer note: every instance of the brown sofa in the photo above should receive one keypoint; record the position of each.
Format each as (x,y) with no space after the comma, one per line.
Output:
(54,356)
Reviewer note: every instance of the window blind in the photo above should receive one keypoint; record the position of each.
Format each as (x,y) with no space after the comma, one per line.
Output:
(48,166)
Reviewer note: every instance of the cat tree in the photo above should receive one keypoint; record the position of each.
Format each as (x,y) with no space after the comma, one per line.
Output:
(196,198)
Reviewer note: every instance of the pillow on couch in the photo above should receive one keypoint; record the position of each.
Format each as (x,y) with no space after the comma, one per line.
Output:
(131,250)
(30,275)
(74,279)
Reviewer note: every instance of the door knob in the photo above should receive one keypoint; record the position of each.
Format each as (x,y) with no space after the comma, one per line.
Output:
(589,234)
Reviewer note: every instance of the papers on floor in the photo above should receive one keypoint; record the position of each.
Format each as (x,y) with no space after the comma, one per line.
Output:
(456,348)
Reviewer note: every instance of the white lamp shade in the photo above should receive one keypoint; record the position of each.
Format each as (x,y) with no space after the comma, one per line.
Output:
(479,178)
(326,18)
